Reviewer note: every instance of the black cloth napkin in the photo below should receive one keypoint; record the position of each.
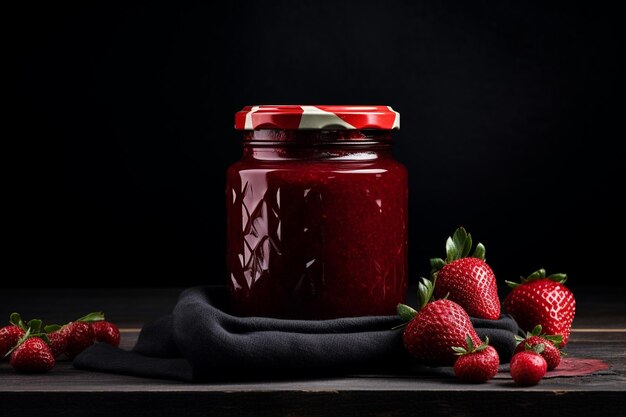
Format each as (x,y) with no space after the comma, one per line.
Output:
(199,341)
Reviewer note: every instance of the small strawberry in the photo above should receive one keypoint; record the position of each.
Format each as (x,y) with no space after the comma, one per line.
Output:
(58,342)
(106,332)
(476,363)
(528,366)
(550,353)
(80,337)
(32,355)
(11,334)
(432,331)
(469,281)
(542,300)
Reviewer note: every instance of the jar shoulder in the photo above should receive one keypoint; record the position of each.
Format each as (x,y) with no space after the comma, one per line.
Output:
(352,166)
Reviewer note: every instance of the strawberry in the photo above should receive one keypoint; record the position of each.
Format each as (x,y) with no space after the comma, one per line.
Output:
(528,366)
(550,353)
(469,281)
(32,355)
(542,300)
(106,332)
(476,363)
(80,337)
(58,342)
(11,334)
(432,331)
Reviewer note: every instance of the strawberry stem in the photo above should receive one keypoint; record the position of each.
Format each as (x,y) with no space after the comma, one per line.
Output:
(538,274)
(458,246)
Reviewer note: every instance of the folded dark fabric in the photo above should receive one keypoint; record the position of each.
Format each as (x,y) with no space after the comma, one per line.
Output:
(200,341)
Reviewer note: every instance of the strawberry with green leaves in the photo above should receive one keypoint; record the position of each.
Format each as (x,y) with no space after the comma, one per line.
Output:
(11,334)
(551,353)
(543,300)
(476,363)
(437,327)
(467,280)
(32,353)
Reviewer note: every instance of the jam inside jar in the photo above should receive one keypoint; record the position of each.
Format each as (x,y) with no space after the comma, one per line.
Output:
(316,224)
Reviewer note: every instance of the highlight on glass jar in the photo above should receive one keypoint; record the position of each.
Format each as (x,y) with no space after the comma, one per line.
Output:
(316,213)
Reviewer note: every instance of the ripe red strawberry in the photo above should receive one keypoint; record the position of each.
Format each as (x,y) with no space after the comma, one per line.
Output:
(476,363)
(528,366)
(439,325)
(79,338)
(33,355)
(468,281)
(11,334)
(542,300)
(106,332)
(550,353)
(58,340)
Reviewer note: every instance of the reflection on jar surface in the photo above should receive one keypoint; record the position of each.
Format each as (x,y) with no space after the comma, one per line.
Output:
(317,225)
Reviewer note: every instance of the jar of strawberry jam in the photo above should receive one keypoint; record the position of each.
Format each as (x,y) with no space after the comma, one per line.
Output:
(316,213)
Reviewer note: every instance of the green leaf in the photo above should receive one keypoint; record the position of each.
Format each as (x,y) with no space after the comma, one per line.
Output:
(560,278)
(405,312)
(467,247)
(539,348)
(483,345)
(556,339)
(436,264)
(512,284)
(479,252)
(425,290)
(459,350)
(16,320)
(399,326)
(91,317)
(35,325)
(44,337)
(51,328)
(540,273)
(518,339)
(536,330)
(470,343)
(459,238)
(452,254)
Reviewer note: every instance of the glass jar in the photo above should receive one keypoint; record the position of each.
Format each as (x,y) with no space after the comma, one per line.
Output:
(317,213)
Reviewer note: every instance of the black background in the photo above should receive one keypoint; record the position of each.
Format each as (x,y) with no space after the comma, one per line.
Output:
(512,125)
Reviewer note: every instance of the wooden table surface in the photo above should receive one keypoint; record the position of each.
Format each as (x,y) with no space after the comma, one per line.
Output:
(599,332)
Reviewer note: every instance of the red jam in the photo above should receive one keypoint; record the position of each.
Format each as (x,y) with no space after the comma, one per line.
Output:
(317,225)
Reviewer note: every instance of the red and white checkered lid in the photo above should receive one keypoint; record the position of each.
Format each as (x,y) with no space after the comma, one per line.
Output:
(317,117)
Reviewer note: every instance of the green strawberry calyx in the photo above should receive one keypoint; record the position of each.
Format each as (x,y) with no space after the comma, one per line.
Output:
(92,317)
(425,290)
(538,348)
(458,246)
(16,320)
(538,274)
(555,339)
(31,329)
(470,347)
